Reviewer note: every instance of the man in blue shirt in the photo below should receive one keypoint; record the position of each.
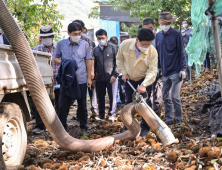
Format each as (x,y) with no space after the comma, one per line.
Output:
(75,49)
(170,48)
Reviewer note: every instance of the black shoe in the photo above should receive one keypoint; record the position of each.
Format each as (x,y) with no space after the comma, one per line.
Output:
(169,123)
(144,132)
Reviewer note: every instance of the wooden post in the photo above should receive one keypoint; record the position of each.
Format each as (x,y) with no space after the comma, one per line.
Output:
(217,44)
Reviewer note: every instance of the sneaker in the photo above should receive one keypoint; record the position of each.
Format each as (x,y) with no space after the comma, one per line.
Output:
(111,119)
(84,132)
(99,117)
(38,131)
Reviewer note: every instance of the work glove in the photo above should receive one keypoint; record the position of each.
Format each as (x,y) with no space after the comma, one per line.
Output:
(182,75)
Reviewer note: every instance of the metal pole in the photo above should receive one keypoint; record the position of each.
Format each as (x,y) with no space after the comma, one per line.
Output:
(190,77)
(217,44)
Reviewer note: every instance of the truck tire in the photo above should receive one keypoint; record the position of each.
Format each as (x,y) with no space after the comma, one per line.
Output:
(13,137)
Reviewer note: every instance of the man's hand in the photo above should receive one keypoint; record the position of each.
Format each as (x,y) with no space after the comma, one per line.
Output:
(112,79)
(141,89)
(125,77)
(93,83)
(185,45)
(89,83)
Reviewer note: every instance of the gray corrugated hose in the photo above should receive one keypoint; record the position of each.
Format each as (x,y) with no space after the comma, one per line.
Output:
(41,99)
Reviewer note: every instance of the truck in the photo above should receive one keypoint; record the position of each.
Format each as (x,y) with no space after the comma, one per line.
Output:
(14,104)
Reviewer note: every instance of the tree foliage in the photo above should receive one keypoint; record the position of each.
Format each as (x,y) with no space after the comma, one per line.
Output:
(151,8)
(94,12)
(31,16)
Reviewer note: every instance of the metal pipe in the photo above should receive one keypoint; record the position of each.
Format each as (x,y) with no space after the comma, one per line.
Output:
(144,102)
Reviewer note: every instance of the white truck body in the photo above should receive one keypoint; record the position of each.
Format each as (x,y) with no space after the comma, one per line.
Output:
(12,82)
(11,77)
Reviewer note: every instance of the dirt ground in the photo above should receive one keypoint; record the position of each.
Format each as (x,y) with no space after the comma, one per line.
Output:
(196,148)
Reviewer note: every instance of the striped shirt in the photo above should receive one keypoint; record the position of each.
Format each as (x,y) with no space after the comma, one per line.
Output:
(55,66)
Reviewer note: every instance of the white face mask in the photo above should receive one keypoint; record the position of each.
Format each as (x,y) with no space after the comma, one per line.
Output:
(165,28)
(47,41)
(185,25)
(102,42)
(183,33)
(85,35)
(142,49)
(75,39)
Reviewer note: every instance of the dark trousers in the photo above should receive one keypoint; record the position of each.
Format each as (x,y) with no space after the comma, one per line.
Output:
(65,103)
(188,68)
(129,99)
(93,99)
(207,61)
(38,120)
(157,95)
(121,88)
(101,93)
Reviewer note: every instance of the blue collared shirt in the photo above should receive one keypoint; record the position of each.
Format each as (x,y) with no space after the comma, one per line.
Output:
(79,52)
(170,48)
(137,52)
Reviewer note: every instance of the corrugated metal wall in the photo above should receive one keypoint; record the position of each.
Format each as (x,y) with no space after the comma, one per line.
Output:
(112,27)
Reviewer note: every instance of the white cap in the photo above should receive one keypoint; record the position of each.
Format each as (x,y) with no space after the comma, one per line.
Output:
(46,31)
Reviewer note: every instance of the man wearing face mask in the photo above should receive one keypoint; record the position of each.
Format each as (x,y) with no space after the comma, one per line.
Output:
(186,28)
(137,60)
(47,45)
(105,74)
(185,41)
(170,48)
(92,91)
(76,49)
(157,85)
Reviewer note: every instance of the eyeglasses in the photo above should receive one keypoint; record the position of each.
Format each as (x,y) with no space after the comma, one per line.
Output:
(144,46)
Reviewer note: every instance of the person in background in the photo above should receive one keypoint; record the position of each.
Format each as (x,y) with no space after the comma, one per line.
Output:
(186,28)
(92,91)
(106,74)
(47,45)
(3,39)
(185,41)
(74,48)
(137,61)
(158,84)
(121,96)
(207,63)
(170,48)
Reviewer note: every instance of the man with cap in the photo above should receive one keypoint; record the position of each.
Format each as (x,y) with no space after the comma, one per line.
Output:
(170,48)
(47,37)
(3,39)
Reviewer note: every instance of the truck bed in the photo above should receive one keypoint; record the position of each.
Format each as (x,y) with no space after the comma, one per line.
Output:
(11,76)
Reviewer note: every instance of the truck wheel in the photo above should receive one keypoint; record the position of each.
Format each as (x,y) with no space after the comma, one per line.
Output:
(13,137)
